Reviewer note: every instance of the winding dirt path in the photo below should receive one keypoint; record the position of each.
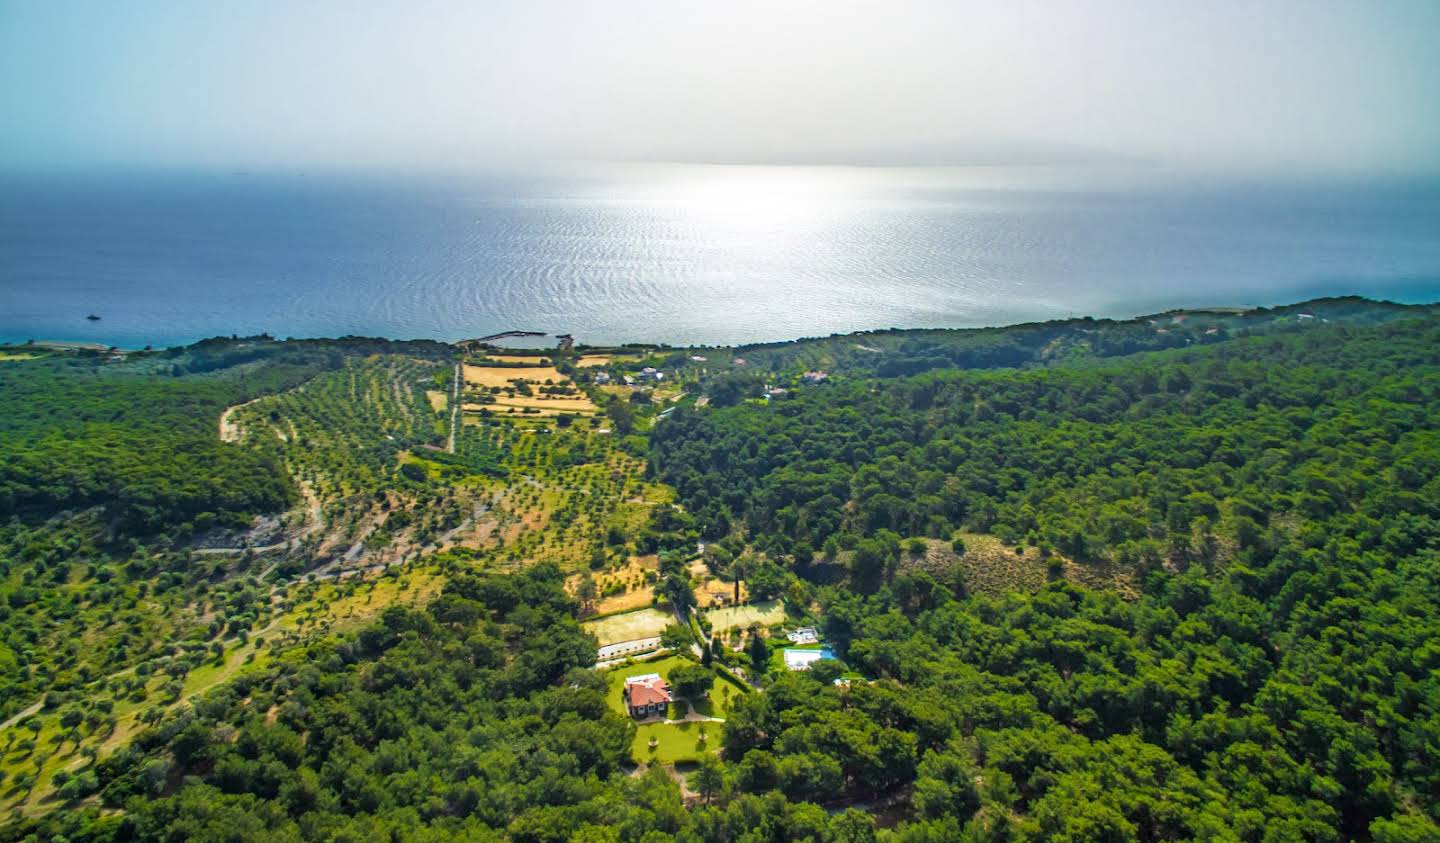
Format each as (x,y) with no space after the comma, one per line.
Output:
(455,405)
(229,430)
(23,713)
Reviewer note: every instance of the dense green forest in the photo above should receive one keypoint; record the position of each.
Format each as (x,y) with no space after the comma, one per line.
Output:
(897,352)
(1127,460)
(1281,493)
(138,437)
(1272,492)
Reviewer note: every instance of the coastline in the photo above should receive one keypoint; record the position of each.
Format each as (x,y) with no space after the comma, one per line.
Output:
(581,342)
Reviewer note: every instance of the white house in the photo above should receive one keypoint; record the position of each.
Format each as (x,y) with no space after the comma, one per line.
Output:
(803,635)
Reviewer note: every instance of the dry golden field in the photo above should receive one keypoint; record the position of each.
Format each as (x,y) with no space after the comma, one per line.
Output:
(488,376)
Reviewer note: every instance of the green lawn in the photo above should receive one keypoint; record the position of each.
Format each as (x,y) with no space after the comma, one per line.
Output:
(724,693)
(618,675)
(675,742)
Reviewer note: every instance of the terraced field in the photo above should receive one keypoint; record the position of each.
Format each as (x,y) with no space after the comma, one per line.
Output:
(537,391)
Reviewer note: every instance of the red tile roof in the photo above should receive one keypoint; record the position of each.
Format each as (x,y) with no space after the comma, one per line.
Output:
(647,691)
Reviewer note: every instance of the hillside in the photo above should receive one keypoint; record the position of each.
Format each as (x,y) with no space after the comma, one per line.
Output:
(1078,581)
(912,351)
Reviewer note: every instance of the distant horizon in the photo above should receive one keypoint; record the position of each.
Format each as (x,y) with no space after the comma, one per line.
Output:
(1141,171)
(518,342)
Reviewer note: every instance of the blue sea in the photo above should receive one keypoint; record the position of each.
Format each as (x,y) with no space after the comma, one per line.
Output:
(681,253)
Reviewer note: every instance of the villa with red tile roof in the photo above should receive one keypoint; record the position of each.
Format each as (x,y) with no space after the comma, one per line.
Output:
(646,695)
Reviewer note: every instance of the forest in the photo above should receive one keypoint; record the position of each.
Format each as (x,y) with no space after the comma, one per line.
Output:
(1272,673)
(896,352)
(1279,495)
(138,438)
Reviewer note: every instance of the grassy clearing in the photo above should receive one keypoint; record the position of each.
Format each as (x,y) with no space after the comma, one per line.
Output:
(438,400)
(642,623)
(548,403)
(992,567)
(523,360)
(988,565)
(725,692)
(674,742)
(625,587)
(711,590)
(589,360)
(765,613)
(507,411)
(488,376)
(509,402)
(636,598)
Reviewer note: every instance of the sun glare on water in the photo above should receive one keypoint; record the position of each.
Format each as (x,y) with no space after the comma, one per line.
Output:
(766,202)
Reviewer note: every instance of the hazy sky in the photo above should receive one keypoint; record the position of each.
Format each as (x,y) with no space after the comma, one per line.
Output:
(1306,84)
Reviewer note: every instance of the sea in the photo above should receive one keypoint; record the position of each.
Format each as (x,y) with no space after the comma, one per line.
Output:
(682,254)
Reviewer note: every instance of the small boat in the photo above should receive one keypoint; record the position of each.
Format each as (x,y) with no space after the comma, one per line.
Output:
(93,318)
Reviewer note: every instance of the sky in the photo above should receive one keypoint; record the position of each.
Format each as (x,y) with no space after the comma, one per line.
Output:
(1347,87)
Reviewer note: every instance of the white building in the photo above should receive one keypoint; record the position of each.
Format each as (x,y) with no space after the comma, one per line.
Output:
(803,635)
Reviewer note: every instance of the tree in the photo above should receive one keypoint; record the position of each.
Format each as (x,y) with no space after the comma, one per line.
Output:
(675,637)
(693,682)
(738,568)
(868,565)
(946,786)
(852,826)
(710,777)
(825,671)
(621,415)
(676,585)
(25,781)
(586,591)
(71,717)
(767,579)
(759,653)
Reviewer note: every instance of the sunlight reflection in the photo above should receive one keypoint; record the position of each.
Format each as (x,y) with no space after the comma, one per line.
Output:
(775,201)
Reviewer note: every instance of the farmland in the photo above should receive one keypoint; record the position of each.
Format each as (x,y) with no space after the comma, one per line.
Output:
(523,387)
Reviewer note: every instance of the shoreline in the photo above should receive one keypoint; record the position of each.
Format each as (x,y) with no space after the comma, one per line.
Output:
(1216,309)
